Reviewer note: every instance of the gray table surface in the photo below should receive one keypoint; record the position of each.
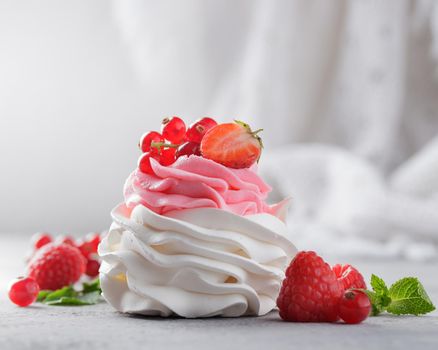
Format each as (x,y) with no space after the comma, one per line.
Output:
(99,327)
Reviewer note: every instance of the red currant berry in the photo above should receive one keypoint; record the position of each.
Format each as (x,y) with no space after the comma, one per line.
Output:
(147,139)
(188,148)
(94,240)
(41,239)
(92,269)
(86,248)
(167,156)
(199,128)
(354,306)
(173,129)
(23,291)
(66,240)
(144,163)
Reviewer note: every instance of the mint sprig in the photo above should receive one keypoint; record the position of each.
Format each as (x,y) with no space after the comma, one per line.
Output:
(89,294)
(407,296)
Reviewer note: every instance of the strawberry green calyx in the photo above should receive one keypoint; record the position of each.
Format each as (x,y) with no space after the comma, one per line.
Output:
(253,133)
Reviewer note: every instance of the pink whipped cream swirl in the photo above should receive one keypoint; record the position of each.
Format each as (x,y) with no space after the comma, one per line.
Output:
(197,182)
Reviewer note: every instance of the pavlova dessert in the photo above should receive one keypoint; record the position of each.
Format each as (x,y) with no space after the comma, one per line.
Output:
(194,236)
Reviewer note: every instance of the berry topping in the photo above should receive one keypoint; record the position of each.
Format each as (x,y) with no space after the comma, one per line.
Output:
(23,291)
(354,306)
(144,163)
(41,239)
(147,139)
(92,269)
(234,145)
(199,128)
(349,277)
(56,266)
(167,156)
(188,148)
(173,129)
(310,291)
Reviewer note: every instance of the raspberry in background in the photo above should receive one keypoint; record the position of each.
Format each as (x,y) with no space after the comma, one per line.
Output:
(55,266)
(310,292)
(349,276)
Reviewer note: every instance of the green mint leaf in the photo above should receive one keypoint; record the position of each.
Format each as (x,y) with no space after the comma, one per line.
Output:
(376,307)
(90,294)
(43,294)
(84,299)
(376,304)
(93,286)
(379,297)
(66,292)
(66,301)
(409,297)
(91,297)
(379,286)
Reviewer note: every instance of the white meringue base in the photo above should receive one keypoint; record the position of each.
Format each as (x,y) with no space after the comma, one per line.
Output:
(193,263)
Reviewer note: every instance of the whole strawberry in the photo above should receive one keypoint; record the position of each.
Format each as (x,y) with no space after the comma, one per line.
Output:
(55,266)
(349,277)
(310,291)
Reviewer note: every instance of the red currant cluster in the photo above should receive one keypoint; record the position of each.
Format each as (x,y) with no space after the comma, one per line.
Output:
(174,141)
(87,246)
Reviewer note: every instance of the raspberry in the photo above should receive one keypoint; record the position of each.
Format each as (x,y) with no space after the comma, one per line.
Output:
(354,307)
(23,291)
(349,277)
(310,291)
(56,266)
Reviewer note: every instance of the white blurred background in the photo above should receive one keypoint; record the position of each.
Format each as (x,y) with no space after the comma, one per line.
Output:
(347,92)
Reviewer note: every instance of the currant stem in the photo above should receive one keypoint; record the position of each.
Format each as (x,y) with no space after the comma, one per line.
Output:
(159,145)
